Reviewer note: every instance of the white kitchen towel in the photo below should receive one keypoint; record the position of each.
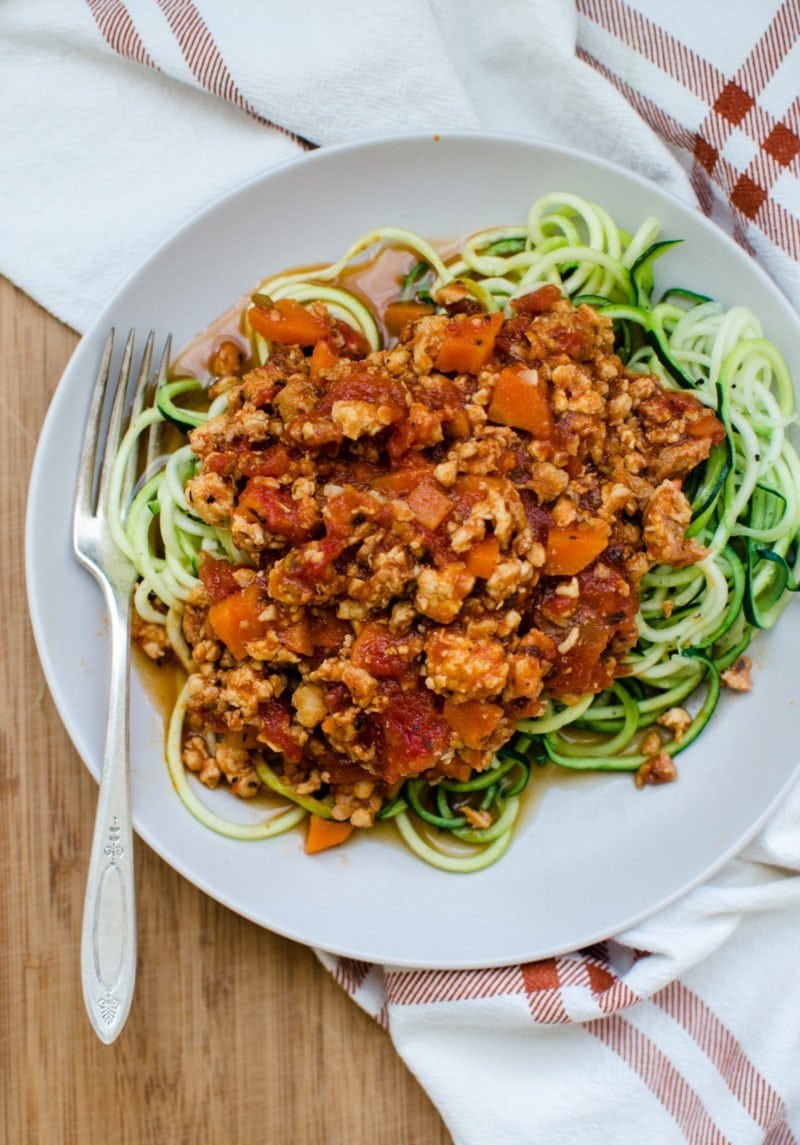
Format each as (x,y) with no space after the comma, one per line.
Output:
(686,1028)
(119,119)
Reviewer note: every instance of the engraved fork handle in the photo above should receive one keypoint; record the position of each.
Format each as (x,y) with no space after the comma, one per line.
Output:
(108,937)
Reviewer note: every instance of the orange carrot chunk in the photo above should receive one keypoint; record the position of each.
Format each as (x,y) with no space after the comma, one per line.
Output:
(458,424)
(297,637)
(402,480)
(520,400)
(235,619)
(399,314)
(322,360)
(288,322)
(483,557)
(570,550)
(429,504)
(468,343)
(473,721)
(218,577)
(538,301)
(324,833)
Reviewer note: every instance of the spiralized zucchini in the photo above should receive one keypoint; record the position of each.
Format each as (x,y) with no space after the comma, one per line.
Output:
(693,622)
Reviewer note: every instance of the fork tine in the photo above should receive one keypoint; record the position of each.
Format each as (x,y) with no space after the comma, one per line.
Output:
(114,431)
(154,436)
(137,405)
(84,505)
(144,376)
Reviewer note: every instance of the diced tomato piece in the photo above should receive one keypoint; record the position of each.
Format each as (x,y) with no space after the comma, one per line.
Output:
(437,542)
(322,360)
(337,697)
(328,632)
(220,462)
(571,342)
(670,405)
(380,651)
(473,721)
(605,612)
(556,607)
(445,394)
(538,301)
(413,731)
(571,549)
(274,729)
(519,400)
(235,619)
(271,462)
(302,570)
(513,344)
(322,834)
(347,341)
(218,577)
(482,559)
(279,511)
(468,343)
(539,520)
(364,385)
(289,323)
(260,392)
(311,431)
(397,315)
(352,471)
(423,427)
(339,769)
(350,507)
(429,504)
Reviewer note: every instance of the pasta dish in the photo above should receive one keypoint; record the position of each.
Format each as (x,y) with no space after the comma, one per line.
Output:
(518,511)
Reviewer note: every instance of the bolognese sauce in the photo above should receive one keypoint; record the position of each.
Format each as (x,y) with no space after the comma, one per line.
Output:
(436,538)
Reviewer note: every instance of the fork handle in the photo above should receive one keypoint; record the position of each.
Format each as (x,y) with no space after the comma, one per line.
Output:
(108,938)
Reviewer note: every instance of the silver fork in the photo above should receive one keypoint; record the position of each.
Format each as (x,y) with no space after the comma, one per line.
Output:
(108,938)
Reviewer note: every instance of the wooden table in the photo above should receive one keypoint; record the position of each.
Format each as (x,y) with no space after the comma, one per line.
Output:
(235,1035)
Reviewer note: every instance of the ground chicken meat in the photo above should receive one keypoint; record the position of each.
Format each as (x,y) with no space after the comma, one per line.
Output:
(414,573)
(196,758)
(655,770)
(309,702)
(359,419)
(676,720)
(666,517)
(737,677)
(441,591)
(472,669)
(151,638)
(210,497)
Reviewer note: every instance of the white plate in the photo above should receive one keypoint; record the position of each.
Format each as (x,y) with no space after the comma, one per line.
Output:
(592,854)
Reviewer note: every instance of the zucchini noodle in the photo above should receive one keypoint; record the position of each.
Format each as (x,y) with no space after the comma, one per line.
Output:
(693,623)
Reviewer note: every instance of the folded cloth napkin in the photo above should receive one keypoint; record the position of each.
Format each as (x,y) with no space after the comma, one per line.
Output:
(122,118)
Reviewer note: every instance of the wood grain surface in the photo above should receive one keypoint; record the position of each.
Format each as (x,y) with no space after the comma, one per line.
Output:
(235,1035)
